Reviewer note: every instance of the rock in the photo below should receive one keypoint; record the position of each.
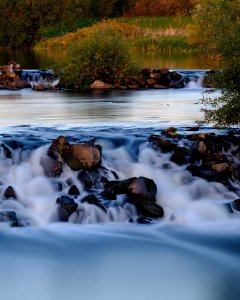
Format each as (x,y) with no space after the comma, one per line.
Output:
(66,207)
(149,209)
(151,82)
(141,220)
(220,168)
(93,200)
(77,156)
(73,191)
(9,193)
(235,171)
(236,204)
(118,187)
(98,84)
(171,132)
(10,217)
(51,167)
(143,188)
(7,152)
(162,143)
(82,156)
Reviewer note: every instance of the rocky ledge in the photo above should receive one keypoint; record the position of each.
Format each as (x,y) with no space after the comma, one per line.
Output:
(13,77)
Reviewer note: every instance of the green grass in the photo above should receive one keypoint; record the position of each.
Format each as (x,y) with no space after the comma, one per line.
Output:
(158,22)
(164,44)
(60,30)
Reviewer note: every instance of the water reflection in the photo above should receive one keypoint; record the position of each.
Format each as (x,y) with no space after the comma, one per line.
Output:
(45,58)
(31,107)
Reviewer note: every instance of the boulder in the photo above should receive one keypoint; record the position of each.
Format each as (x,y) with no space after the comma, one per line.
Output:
(143,188)
(77,156)
(98,84)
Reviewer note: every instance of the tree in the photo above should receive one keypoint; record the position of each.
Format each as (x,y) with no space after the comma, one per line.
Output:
(217,32)
(20,20)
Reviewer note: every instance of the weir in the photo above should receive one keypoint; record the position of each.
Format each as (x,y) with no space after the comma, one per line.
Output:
(192,78)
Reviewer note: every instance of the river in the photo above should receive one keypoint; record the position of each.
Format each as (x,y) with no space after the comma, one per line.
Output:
(192,253)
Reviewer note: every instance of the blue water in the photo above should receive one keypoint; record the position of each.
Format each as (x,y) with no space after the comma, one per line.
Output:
(193,253)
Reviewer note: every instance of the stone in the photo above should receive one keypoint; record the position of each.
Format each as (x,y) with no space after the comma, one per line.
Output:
(10,217)
(77,156)
(51,167)
(93,200)
(149,209)
(66,206)
(143,188)
(98,84)
(73,191)
(9,193)
(7,152)
(220,168)
(164,144)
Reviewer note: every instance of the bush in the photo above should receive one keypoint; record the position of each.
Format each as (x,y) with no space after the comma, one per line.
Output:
(103,55)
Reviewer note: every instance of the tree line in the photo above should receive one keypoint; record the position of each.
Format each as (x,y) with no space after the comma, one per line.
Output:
(21,20)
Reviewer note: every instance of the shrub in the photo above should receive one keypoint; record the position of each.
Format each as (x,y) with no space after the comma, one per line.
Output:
(217,33)
(103,55)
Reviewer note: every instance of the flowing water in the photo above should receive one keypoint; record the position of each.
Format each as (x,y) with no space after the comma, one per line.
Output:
(192,253)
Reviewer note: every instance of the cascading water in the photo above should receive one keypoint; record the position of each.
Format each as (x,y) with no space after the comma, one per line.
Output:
(191,253)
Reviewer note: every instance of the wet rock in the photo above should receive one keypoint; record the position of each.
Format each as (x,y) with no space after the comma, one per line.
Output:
(164,144)
(171,132)
(76,156)
(236,204)
(118,187)
(141,220)
(7,152)
(234,169)
(82,156)
(66,206)
(9,193)
(73,191)
(134,187)
(10,217)
(149,209)
(143,188)
(220,168)
(93,200)
(85,179)
(51,167)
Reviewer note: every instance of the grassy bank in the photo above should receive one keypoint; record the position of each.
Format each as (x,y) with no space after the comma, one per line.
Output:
(146,34)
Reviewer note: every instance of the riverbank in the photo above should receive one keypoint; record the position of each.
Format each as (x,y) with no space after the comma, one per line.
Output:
(159,34)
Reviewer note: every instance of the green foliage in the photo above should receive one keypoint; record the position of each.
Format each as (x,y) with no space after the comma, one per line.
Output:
(103,55)
(217,32)
(158,22)
(21,20)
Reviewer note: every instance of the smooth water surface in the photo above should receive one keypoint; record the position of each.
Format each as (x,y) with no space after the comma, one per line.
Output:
(24,107)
